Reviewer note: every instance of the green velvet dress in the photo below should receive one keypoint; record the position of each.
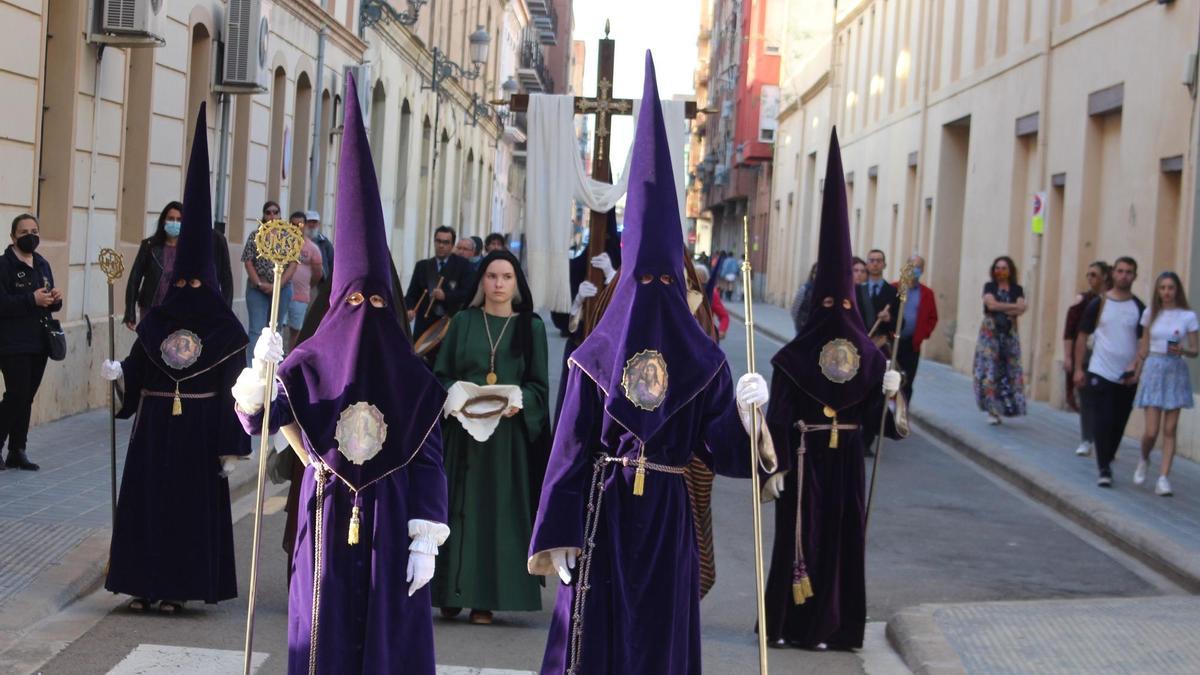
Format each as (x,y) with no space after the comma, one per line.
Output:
(482,564)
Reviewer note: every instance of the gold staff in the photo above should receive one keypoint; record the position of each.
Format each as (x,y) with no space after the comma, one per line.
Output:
(905,285)
(113,266)
(279,242)
(759,583)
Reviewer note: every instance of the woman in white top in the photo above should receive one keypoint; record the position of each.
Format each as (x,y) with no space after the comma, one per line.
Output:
(1166,386)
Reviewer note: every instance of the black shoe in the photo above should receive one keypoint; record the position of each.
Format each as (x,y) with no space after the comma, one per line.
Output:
(18,460)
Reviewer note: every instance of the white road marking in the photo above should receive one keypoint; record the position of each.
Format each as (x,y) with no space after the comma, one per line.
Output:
(146,659)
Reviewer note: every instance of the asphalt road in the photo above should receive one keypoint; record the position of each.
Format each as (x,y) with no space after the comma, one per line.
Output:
(943,531)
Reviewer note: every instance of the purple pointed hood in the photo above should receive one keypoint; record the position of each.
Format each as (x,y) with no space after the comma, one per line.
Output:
(647,353)
(200,311)
(358,369)
(834,325)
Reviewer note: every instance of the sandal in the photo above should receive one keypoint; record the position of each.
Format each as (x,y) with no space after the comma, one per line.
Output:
(139,604)
(170,607)
(480,617)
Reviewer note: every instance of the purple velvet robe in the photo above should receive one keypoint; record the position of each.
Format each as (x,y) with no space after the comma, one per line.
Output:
(365,621)
(173,536)
(642,611)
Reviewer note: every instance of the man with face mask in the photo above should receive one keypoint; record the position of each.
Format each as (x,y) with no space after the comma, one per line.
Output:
(173,536)
(920,319)
(312,230)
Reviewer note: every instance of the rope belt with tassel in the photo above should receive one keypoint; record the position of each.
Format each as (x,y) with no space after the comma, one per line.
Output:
(590,526)
(801,583)
(320,476)
(177,405)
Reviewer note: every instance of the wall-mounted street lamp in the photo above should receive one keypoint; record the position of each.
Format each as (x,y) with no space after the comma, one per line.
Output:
(373,12)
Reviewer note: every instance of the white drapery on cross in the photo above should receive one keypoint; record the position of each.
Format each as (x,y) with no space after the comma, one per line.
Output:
(555,176)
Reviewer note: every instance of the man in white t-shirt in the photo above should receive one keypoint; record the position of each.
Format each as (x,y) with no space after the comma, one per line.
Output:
(1114,320)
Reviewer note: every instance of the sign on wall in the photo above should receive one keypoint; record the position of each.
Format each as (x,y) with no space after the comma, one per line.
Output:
(1038,222)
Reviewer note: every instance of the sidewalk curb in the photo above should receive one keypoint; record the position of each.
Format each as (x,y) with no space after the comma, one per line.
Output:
(78,574)
(922,646)
(1153,549)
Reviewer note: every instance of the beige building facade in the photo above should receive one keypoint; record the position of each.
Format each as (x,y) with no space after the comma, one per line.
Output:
(97,170)
(953,114)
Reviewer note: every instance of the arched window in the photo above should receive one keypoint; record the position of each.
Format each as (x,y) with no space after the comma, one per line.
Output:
(403,157)
(378,122)
(135,213)
(301,137)
(278,126)
(326,151)
(423,184)
(199,89)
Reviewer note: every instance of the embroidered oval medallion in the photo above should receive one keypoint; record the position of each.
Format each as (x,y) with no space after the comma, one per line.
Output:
(839,360)
(361,431)
(181,349)
(645,379)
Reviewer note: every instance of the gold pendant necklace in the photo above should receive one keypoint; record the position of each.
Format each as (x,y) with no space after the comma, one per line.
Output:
(491,376)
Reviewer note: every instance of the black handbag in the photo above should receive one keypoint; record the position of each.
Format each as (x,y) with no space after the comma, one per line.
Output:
(56,340)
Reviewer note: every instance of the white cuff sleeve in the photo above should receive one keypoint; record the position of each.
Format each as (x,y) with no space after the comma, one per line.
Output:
(427,535)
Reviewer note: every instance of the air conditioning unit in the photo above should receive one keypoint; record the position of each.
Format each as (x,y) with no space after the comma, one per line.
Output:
(128,22)
(247,35)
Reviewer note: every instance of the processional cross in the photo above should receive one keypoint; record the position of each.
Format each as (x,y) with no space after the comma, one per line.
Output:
(603,106)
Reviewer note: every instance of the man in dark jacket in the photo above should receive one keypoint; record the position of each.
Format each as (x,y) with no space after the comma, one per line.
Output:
(441,281)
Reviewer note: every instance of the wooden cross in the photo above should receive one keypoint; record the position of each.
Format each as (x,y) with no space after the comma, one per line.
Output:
(603,106)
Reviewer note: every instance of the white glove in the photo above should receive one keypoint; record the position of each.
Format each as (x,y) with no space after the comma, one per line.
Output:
(563,560)
(586,290)
(420,570)
(773,488)
(751,391)
(249,389)
(603,263)
(111,370)
(269,348)
(228,465)
(891,383)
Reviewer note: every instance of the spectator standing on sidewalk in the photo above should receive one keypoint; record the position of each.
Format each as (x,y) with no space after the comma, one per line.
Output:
(1169,333)
(27,297)
(308,274)
(312,230)
(1099,280)
(720,314)
(802,303)
(999,380)
(1111,374)
(920,319)
(858,269)
(259,278)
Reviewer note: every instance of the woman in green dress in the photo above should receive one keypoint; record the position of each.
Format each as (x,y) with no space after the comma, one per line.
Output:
(493,484)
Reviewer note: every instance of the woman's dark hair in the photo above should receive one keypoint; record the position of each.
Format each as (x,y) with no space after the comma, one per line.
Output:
(495,236)
(857,261)
(160,233)
(271,202)
(522,344)
(17,221)
(1156,305)
(1105,272)
(478,245)
(1012,269)
(298,214)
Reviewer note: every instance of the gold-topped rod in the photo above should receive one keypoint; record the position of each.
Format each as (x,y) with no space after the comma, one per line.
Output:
(113,266)
(755,415)
(279,242)
(907,281)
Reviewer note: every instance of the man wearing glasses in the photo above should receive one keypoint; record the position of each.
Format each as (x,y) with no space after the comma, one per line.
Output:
(438,284)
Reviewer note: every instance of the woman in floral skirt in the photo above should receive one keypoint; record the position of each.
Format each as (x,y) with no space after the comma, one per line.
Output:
(999,382)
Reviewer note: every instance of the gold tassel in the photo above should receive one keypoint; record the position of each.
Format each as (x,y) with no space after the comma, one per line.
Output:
(833,434)
(354,521)
(801,590)
(639,478)
(177,404)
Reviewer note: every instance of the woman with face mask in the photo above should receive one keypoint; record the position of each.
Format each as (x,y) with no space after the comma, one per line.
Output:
(155,261)
(27,296)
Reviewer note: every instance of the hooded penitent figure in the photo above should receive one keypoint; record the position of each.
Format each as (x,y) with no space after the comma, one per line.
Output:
(173,538)
(646,389)
(825,379)
(494,468)
(364,409)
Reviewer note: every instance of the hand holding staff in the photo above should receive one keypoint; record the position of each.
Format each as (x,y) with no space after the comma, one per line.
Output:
(113,267)
(760,584)
(279,242)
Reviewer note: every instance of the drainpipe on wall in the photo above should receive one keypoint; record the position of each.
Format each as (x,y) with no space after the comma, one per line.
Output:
(226,102)
(1192,273)
(314,157)
(91,188)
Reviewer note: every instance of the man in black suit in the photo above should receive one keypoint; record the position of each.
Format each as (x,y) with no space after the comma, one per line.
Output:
(452,271)
(878,303)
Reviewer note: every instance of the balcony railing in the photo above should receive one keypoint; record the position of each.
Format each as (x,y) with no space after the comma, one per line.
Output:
(547,26)
(531,67)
